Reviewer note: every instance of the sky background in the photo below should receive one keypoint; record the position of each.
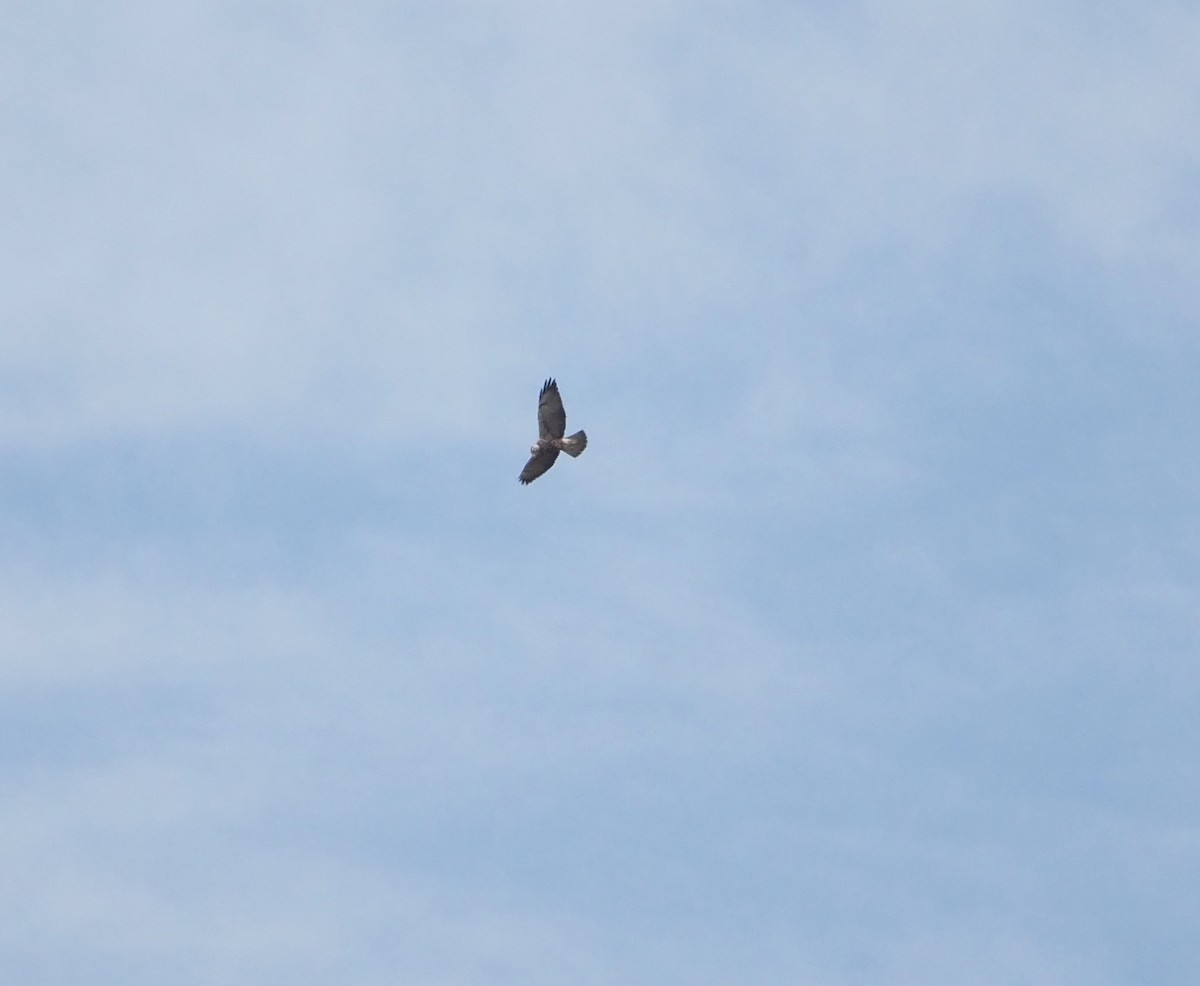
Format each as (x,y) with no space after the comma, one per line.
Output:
(861,645)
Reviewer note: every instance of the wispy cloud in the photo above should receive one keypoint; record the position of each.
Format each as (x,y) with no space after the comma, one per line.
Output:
(855,648)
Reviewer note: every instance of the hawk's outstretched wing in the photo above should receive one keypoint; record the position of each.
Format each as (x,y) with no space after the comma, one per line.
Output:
(552,419)
(538,464)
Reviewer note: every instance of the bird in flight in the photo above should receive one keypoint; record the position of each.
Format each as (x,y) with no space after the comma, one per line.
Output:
(552,424)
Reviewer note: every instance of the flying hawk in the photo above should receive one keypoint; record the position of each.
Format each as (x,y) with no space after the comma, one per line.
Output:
(552,423)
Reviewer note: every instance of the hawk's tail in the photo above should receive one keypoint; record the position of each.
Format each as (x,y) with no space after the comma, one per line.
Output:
(574,444)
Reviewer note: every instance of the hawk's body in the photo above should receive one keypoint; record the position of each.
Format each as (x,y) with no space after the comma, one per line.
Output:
(552,425)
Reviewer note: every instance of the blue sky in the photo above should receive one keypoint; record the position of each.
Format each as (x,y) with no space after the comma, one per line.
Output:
(859,647)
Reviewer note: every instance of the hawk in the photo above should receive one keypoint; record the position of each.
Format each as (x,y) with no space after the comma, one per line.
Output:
(552,423)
